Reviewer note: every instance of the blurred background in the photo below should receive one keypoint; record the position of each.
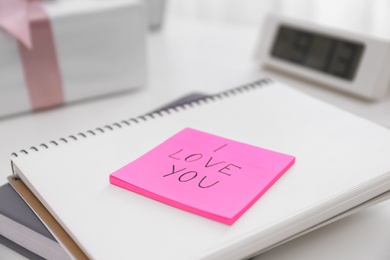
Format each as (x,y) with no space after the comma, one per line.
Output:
(362,15)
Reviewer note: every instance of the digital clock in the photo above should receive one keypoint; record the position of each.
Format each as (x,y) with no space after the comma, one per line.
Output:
(347,61)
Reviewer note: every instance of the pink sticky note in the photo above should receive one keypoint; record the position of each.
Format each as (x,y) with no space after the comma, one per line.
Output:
(205,174)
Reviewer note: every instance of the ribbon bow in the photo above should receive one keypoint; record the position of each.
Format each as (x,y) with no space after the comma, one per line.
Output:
(15,18)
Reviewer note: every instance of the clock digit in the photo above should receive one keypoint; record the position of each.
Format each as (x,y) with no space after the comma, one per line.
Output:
(320,53)
(344,59)
(283,43)
(301,46)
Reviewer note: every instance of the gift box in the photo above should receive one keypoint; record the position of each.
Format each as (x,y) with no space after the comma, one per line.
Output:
(54,52)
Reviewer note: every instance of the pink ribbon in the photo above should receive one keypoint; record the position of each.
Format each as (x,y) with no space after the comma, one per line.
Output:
(29,24)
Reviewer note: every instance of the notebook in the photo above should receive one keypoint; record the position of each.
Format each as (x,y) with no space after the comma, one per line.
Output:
(341,163)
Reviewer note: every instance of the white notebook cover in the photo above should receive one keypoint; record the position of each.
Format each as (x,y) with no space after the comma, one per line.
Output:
(341,162)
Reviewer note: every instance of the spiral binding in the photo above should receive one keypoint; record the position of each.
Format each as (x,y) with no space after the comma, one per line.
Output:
(146,117)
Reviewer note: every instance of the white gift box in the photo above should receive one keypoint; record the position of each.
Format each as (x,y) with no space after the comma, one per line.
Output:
(100,49)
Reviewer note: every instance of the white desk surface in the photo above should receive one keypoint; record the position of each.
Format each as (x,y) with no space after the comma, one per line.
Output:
(189,56)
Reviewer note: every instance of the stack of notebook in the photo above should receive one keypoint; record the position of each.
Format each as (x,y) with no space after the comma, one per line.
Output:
(341,165)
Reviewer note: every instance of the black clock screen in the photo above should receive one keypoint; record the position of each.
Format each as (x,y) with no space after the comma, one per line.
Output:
(330,55)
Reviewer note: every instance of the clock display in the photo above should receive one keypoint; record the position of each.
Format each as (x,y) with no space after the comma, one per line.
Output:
(320,52)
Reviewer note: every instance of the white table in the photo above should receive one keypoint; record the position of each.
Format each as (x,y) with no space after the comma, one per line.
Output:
(192,56)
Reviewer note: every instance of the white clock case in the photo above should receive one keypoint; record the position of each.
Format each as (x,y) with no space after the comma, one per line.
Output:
(372,76)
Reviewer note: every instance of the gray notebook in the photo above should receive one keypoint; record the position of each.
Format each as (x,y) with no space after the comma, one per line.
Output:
(22,231)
